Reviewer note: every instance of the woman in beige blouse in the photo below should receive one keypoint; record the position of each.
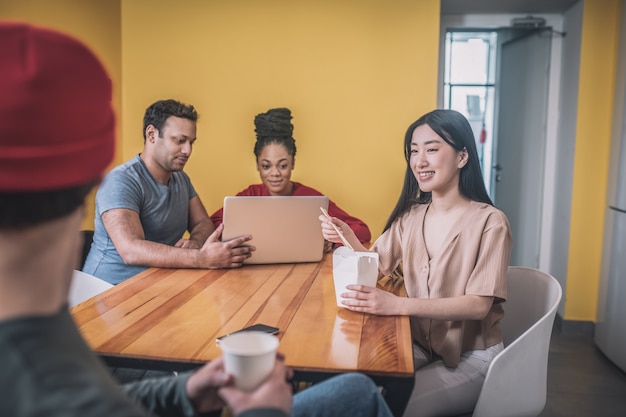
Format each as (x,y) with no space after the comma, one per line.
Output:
(454,247)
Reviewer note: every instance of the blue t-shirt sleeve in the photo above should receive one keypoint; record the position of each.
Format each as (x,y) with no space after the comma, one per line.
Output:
(119,190)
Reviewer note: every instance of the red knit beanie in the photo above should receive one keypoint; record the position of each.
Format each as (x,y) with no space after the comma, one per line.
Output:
(56,120)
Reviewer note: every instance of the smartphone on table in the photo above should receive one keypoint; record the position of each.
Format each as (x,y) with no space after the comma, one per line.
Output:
(255,327)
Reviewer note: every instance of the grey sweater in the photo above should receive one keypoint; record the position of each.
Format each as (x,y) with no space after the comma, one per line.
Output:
(48,370)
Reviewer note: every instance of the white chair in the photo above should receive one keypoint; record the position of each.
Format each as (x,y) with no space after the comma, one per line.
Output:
(85,286)
(516,382)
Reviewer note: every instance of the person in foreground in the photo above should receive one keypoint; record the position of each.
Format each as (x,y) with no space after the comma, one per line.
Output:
(275,152)
(56,139)
(453,246)
(144,207)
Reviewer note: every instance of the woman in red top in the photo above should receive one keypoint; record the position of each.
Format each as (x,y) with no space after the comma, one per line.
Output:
(275,151)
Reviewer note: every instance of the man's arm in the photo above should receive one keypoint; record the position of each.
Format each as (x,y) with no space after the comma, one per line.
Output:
(125,230)
(200,226)
(166,396)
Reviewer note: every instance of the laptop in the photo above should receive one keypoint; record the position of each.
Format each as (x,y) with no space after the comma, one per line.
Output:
(283,229)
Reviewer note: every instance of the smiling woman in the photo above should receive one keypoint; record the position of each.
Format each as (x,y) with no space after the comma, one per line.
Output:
(454,248)
(275,151)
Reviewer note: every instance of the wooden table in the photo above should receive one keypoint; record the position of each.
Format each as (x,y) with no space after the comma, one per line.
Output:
(169,318)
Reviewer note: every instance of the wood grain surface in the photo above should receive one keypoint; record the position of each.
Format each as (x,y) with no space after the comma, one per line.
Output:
(176,315)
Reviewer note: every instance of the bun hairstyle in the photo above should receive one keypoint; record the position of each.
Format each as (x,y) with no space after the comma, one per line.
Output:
(274,126)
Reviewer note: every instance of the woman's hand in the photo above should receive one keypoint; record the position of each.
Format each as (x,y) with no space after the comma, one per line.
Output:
(371,300)
(330,233)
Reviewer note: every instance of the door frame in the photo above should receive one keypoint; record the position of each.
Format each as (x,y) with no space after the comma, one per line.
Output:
(489,22)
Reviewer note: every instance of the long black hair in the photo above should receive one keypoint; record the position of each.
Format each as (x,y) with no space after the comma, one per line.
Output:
(456,131)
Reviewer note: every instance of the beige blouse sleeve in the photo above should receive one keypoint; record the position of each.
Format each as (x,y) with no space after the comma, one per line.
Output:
(489,274)
(389,247)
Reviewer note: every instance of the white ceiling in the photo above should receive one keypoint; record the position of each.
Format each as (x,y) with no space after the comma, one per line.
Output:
(505,6)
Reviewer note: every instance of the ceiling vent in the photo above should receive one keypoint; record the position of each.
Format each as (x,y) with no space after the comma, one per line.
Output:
(529,22)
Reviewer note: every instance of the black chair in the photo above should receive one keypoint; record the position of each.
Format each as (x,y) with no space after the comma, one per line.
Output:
(87,240)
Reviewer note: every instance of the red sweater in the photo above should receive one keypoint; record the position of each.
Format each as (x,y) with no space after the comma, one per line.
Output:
(360,229)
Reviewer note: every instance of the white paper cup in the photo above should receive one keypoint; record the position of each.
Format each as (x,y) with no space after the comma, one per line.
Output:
(350,267)
(249,356)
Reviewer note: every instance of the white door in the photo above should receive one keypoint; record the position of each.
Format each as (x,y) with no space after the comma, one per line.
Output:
(611,320)
(520,140)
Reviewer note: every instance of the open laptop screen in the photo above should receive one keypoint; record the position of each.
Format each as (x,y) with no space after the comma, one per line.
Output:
(283,229)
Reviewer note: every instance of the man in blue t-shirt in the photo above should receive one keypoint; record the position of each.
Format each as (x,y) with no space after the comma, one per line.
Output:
(145,206)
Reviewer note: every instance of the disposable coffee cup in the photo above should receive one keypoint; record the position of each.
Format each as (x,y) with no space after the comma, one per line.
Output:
(249,356)
(350,267)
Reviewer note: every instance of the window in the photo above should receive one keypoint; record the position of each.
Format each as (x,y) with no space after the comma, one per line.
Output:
(469,87)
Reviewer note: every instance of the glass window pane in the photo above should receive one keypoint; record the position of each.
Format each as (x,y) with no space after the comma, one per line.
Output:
(469,87)
(468,62)
(477,105)
(470,57)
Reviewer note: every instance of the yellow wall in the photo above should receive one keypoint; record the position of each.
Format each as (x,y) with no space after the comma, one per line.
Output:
(600,34)
(95,22)
(354,73)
